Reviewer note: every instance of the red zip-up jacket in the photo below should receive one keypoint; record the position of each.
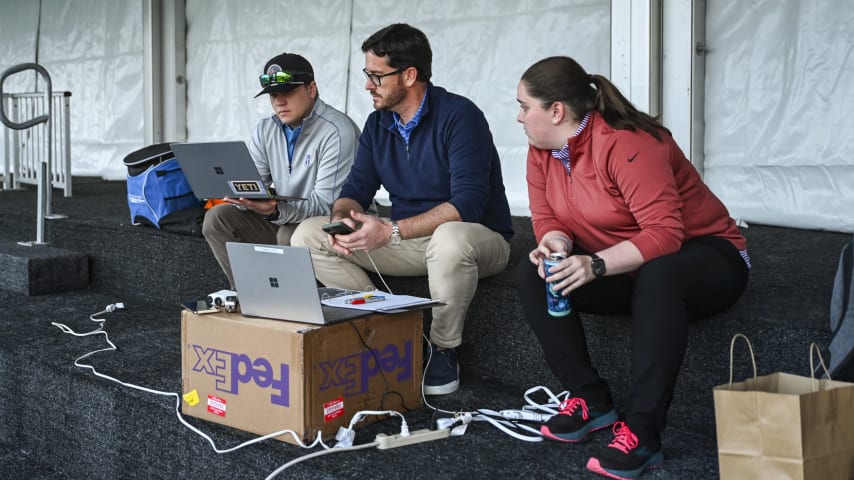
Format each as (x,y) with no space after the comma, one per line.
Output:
(624,185)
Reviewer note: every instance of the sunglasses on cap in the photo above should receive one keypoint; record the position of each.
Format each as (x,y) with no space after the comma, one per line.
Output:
(279,78)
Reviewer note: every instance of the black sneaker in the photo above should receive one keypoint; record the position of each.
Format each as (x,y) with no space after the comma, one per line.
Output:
(574,420)
(443,372)
(625,457)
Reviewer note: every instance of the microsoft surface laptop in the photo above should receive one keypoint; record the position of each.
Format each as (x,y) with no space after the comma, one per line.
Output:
(274,281)
(222,169)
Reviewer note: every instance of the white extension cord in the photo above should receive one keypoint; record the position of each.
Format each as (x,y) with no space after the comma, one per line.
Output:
(345,437)
(508,421)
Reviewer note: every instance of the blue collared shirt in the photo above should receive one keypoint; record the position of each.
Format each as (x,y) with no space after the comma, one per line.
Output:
(291,134)
(406,130)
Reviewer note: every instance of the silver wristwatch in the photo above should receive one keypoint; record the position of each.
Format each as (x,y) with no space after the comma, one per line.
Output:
(395,234)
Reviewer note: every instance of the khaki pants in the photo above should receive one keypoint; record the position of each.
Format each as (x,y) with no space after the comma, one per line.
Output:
(454,258)
(227,223)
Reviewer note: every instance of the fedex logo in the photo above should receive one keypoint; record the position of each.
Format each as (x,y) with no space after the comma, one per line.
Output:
(233,369)
(354,372)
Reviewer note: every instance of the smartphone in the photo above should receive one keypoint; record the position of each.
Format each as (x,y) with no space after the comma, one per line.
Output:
(337,228)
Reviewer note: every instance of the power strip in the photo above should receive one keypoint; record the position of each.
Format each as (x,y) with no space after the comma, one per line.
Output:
(525,415)
(385,442)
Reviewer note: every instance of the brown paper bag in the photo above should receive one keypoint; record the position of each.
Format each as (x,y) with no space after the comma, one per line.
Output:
(783,426)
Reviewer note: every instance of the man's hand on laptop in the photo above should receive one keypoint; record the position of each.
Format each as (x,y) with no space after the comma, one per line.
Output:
(262,207)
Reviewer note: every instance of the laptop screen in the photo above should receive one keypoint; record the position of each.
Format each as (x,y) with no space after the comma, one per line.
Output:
(278,282)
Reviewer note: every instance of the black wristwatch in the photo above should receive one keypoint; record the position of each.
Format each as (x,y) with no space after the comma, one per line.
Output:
(598,265)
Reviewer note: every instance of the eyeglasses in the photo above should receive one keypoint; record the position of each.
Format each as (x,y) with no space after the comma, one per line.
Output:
(278,78)
(376,78)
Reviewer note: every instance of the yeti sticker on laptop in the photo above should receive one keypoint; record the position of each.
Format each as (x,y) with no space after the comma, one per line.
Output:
(242,187)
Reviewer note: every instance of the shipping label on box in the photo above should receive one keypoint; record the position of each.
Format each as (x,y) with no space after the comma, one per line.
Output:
(264,376)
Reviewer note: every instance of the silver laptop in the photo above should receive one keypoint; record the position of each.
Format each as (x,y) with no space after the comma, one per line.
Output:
(222,169)
(274,281)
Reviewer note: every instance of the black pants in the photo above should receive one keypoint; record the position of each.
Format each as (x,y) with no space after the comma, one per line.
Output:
(703,278)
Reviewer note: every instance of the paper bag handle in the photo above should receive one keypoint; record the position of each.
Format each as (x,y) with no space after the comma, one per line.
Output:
(752,358)
(816,351)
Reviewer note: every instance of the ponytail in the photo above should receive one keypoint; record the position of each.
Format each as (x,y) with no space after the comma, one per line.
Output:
(562,79)
(619,112)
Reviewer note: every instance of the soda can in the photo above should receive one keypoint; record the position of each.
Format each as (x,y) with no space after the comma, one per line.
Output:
(558,305)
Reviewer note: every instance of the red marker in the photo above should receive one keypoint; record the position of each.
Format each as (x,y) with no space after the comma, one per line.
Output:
(365,299)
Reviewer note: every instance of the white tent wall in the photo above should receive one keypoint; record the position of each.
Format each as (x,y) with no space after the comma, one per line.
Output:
(93,49)
(479,50)
(779,134)
(228,43)
(779,144)
(18,21)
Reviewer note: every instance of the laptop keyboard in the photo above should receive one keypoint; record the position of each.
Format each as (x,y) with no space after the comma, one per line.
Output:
(329,292)
(337,314)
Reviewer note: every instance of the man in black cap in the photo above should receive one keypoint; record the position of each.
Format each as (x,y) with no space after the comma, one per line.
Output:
(305,149)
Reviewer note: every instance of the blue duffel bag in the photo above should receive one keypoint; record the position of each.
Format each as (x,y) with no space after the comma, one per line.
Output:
(158,192)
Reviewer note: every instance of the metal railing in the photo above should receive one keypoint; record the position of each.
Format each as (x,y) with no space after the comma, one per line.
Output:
(40,167)
(26,149)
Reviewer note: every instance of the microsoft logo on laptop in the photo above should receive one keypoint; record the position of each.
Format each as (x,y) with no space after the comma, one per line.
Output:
(274,282)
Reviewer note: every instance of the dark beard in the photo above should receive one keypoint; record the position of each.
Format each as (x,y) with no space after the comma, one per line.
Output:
(394,98)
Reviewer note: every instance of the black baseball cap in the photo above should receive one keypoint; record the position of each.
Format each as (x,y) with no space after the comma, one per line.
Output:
(296,66)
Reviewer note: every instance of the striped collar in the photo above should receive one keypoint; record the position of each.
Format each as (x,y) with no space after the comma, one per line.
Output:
(562,154)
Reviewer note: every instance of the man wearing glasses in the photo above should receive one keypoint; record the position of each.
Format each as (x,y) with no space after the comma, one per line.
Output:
(433,152)
(305,149)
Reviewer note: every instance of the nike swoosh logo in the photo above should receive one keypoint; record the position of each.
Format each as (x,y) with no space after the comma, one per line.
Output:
(632,158)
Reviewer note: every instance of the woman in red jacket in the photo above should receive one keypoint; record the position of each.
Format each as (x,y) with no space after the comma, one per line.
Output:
(642,235)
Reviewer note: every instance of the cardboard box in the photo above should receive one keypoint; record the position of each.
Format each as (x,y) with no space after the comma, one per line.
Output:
(264,376)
